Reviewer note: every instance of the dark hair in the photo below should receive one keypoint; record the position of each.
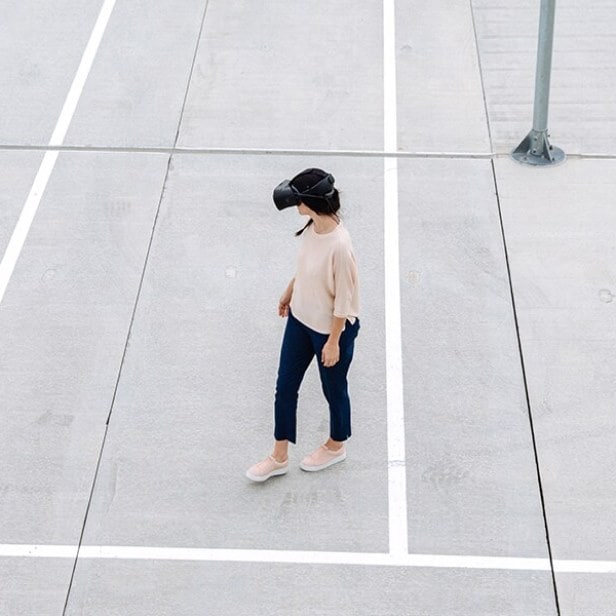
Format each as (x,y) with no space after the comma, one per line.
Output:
(303,182)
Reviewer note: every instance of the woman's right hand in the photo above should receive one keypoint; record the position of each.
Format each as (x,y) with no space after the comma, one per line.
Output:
(285,300)
(283,304)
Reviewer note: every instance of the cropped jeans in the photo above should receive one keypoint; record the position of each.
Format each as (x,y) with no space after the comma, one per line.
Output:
(299,345)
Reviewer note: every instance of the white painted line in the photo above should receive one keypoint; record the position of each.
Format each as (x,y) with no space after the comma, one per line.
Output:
(390,108)
(584,566)
(74,94)
(396,446)
(370,559)
(22,228)
(236,555)
(13,249)
(38,551)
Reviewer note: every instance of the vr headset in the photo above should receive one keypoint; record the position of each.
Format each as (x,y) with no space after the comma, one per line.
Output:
(286,195)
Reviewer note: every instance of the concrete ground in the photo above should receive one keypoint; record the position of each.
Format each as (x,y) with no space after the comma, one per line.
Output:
(143,260)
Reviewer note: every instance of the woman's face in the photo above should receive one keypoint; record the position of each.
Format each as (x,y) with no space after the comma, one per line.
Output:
(304,210)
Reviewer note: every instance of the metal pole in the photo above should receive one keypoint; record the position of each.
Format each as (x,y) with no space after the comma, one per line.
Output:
(535,148)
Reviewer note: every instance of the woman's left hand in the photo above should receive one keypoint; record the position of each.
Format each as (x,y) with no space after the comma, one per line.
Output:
(330,355)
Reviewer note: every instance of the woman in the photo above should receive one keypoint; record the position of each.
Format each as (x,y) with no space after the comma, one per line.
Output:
(322,306)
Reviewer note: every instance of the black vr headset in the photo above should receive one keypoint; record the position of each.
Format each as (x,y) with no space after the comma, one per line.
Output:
(286,195)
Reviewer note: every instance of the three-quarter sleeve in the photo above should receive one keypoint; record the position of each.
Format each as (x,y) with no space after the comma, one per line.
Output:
(345,281)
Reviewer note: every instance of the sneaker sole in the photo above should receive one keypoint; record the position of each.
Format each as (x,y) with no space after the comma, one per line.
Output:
(261,478)
(305,467)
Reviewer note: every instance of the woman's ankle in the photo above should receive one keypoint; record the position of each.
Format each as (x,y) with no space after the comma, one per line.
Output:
(281,451)
(333,445)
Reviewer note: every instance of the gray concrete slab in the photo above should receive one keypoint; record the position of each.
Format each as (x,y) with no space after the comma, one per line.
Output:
(135,90)
(582,104)
(195,401)
(18,171)
(64,321)
(584,594)
(306,77)
(471,473)
(40,49)
(440,97)
(34,585)
(560,231)
(126,588)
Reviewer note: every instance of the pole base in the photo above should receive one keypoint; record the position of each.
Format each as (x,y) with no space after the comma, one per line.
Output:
(535,149)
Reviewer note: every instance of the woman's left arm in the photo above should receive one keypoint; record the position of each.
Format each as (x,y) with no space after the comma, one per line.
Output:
(330,355)
(345,276)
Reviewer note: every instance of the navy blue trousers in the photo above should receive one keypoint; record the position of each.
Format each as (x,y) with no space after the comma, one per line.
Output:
(299,345)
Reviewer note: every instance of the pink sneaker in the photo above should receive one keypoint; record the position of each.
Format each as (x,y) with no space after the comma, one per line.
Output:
(322,458)
(270,467)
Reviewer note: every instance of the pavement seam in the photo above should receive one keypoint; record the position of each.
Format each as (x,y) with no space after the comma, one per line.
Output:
(83,526)
(244,151)
(483,89)
(134,311)
(278,152)
(528,405)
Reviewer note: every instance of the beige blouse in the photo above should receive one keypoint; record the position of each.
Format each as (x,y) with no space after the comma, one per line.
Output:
(326,279)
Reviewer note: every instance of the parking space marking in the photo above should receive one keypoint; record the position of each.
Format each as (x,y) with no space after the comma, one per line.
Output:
(22,228)
(396,442)
(38,551)
(298,557)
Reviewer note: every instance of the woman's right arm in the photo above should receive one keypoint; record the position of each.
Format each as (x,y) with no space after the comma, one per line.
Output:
(285,300)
